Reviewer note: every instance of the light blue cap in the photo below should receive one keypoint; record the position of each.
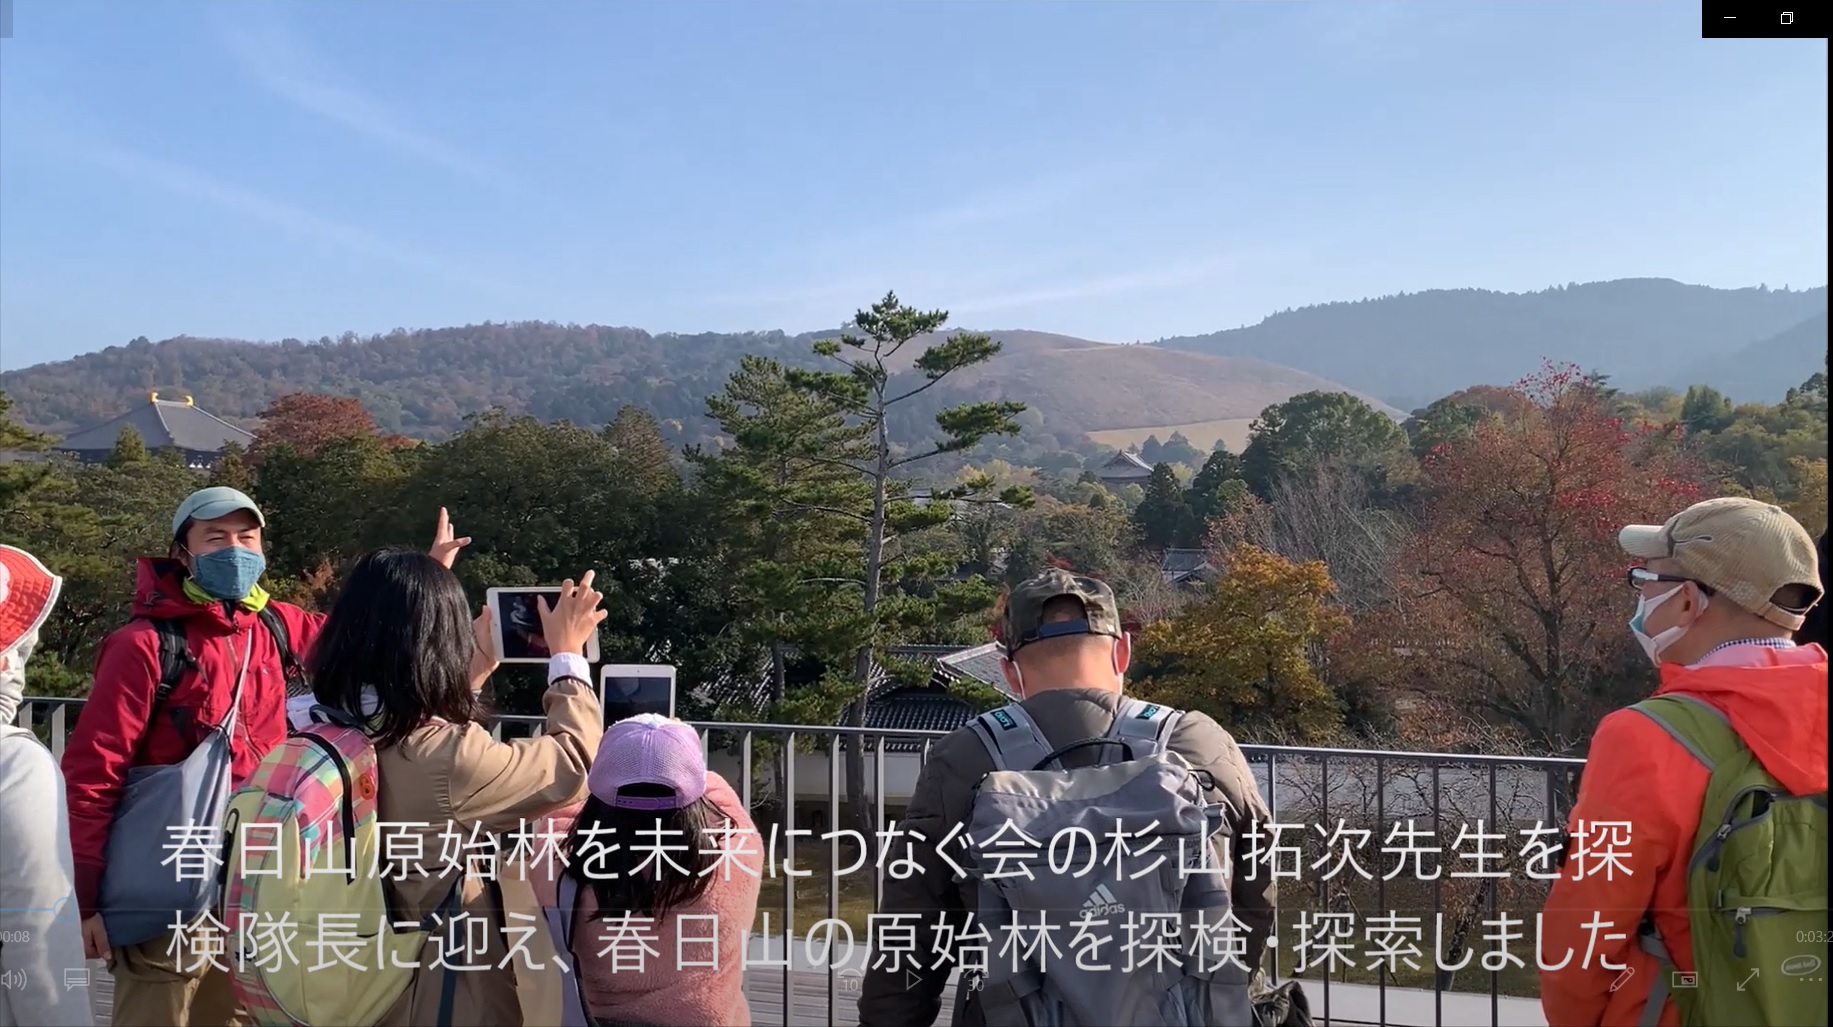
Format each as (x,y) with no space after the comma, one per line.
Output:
(211,503)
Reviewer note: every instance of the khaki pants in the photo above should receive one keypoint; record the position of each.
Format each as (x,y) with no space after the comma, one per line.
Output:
(157,987)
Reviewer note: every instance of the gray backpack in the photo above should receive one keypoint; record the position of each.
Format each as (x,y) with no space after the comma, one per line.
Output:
(1123,943)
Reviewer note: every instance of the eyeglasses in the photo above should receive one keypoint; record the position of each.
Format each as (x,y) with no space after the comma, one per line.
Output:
(1639,576)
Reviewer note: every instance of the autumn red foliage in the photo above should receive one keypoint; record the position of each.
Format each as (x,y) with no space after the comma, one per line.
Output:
(1514,596)
(313,590)
(305,421)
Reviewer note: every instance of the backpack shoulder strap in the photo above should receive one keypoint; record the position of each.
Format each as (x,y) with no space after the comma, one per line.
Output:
(174,658)
(1145,727)
(566,896)
(1012,738)
(441,919)
(1696,725)
(1700,728)
(283,640)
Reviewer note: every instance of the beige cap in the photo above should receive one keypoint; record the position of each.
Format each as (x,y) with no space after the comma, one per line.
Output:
(1743,549)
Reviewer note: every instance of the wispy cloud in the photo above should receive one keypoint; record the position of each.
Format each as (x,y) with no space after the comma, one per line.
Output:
(970,295)
(1041,195)
(1384,30)
(841,295)
(926,233)
(1171,276)
(177,178)
(967,299)
(282,62)
(921,253)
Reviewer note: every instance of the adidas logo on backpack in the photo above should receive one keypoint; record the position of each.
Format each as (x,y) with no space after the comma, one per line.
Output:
(1101,904)
(1157,800)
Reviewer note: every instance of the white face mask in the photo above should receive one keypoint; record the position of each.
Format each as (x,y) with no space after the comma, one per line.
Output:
(12,679)
(1655,645)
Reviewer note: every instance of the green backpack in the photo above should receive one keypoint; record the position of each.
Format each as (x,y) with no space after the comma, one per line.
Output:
(1756,888)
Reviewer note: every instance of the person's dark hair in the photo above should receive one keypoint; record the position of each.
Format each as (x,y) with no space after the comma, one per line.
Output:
(401,625)
(1062,608)
(608,844)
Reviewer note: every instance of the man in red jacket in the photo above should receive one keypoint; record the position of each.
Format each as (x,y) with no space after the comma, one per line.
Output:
(150,706)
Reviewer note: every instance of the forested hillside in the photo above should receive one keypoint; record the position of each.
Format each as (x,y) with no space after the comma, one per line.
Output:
(1760,370)
(424,383)
(1345,543)
(1398,351)
(1643,332)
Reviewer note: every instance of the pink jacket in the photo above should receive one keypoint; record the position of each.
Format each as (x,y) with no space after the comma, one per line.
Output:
(659,992)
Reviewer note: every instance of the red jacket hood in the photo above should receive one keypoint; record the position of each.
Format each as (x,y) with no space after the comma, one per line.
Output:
(159,591)
(1778,705)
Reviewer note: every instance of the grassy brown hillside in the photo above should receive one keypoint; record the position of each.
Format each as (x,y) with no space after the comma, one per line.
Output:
(424,383)
(1099,387)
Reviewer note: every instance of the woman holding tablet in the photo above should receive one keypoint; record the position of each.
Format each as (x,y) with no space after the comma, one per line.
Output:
(397,652)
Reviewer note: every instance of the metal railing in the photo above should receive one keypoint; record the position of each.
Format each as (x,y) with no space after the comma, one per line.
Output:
(1326,797)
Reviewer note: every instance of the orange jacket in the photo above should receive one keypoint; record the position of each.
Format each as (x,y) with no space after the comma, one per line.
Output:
(1637,773)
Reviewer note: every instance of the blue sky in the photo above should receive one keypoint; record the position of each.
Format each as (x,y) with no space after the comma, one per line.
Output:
(1113,171)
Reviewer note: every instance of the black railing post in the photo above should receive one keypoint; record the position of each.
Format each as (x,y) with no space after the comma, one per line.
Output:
(1547,780)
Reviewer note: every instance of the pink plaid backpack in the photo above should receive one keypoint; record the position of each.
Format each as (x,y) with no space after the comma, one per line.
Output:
(302,866)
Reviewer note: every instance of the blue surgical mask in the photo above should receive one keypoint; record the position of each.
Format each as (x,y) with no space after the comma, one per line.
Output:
(1655,645)
(229,573)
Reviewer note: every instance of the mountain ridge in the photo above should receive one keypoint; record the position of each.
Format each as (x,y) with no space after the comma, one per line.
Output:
(1397,352)
(424,383)
(1412,347)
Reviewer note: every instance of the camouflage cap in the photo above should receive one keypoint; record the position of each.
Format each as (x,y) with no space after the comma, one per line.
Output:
(1023,623)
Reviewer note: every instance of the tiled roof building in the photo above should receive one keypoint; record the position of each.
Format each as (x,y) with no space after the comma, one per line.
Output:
(891,704)
(1181,566)
(1126,468)
(161,424)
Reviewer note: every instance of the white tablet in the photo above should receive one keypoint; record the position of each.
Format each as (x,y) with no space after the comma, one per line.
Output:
(517,616)
(627,689)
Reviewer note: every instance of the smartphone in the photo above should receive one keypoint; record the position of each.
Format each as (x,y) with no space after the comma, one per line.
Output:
(517,616)
(627,689)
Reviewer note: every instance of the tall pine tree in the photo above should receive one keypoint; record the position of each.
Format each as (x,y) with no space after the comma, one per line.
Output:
(789,503)
(1163,518)
(898,589)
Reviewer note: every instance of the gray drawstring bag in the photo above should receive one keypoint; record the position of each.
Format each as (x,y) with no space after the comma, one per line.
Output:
(166,816)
